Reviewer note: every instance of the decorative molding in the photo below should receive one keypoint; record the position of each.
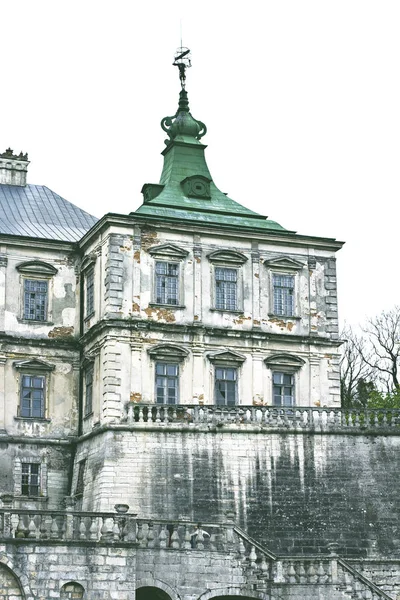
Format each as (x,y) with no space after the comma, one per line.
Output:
(227,357)
(286,362)
(227,256)
(3,260)
(33,365)
(36,267)
(88,261)
(197,186)
(285,263)
(168,251)
(168,352)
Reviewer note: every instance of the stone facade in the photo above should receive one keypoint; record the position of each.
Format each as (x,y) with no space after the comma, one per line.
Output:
(182,362)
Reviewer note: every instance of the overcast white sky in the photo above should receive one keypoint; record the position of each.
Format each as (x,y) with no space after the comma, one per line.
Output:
(301,99)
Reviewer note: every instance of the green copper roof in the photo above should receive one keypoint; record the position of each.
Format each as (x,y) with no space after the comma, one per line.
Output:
(186,191)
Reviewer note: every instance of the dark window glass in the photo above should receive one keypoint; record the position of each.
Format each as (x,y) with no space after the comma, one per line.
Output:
(30,479)
(283,389)
(32,396)
(225,288)
(283,295)
(35,300)
(90,292)
(225,386)
(167,383)
(167,283)
(88,390)
(80,480)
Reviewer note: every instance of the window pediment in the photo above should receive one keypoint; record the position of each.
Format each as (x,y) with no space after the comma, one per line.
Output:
(168,352)
(227,257)
(168,251)
(36,267)
(228,357)
(88,261)
(286,362)
(33,365)
(284,263)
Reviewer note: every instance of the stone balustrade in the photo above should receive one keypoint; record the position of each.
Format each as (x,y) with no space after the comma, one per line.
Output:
(264,417)
(260,565)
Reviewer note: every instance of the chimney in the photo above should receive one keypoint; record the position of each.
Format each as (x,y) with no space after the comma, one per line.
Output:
(13,168)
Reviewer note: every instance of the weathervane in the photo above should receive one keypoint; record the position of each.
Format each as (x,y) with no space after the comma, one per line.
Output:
(183,62)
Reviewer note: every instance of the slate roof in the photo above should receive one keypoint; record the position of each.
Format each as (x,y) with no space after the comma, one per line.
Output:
(38,212)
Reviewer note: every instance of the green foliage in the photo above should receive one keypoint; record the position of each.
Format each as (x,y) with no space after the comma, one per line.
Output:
(384,400)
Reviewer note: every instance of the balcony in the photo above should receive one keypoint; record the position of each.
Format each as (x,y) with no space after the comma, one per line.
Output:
(262,418)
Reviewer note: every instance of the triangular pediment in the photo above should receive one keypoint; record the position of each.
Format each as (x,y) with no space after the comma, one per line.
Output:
(227,256)
(285,263)
(36,267)
(168,251)
(34,365)
(227,357)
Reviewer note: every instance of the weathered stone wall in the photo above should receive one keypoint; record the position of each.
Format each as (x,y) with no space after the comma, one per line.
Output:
(294,493)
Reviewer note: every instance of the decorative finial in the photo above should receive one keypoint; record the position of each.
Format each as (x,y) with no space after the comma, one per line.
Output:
(183,62)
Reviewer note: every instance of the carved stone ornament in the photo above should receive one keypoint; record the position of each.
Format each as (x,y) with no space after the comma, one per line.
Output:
(197,186)
(36,267)
(284,263)
(168,251)
(227,256)
(35,365)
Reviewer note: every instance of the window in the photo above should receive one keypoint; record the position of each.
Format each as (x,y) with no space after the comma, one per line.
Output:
(283,389)
(88,390)
(167,380)
(283,295)
(32,396)
(167,283)
(225,288)
(35,299)
(90,292)
(80,479)
(30,479)
(225,386)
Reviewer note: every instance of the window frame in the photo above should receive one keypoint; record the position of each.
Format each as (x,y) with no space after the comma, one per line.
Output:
(32,388)
(175,277)
(36,271)
(235,381)
(29,483)
(38,293)
(168,354)
(167,377)
(284,266)
(282,385)
(34,368)
(89,292)
(275,287)
(88,406)
(168,253)
(229,260)
(285,364)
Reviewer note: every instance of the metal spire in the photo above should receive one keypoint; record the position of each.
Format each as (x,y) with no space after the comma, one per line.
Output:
(183,62)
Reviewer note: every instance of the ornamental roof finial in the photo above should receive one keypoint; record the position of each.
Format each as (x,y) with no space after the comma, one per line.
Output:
(183,62)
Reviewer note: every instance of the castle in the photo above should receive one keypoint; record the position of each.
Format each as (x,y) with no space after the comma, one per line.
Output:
(170,401)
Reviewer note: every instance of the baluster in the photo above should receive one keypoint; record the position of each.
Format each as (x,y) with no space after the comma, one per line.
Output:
(82,528)
(141,415)
(292,573)
(264,568)
(93,529)
(140,535)
(196,414)
(158,414)
(44,529)
(321,573)
(21,531)
(174,414)
(163,536)
(150,536)
(54,529)
(311,574)
(116,526)
(253,558)
(200,540)
(107,529)
(175,542)
(32,529)
(242,549)
(278,575)
(302,573)
(130,413)
(187,543)
(357,420)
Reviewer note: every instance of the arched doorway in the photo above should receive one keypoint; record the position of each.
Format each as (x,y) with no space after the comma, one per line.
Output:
(72,591)
(9,586)
(151,593)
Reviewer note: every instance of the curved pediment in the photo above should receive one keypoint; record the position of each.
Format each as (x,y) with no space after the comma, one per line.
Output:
(227,256)
(168,251)
(33,365)
(36,267)
(168,352)
(227,357)
(284,362)
(88,261)
(285,263)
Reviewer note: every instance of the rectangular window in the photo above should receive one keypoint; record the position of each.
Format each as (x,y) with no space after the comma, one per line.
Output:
(225,288)
(90,293)
(283,295)
(225,386)
(35,299)
(283,384)
(88,390)
(30,482)
(32,396)
(80,480)
(167,383)
(167,283)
